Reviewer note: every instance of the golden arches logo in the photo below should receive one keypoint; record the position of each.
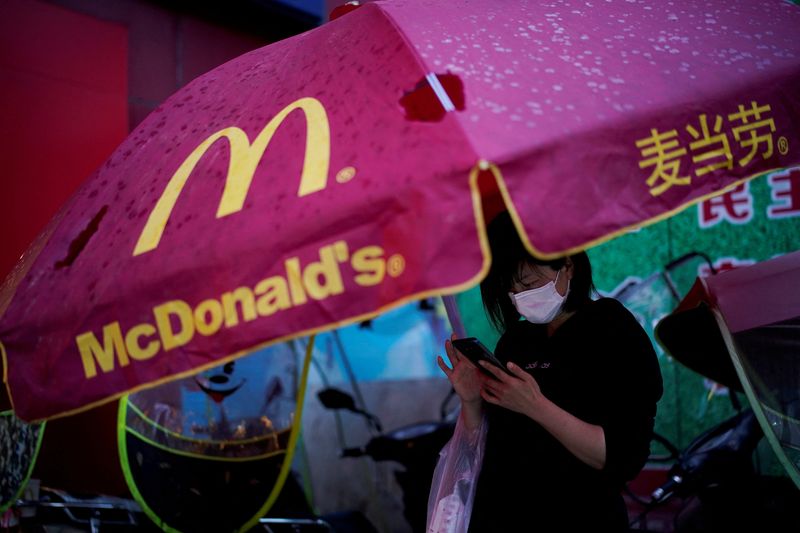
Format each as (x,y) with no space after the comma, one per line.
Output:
(244,158)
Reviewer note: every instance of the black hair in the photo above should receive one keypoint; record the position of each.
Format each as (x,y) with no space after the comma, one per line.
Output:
(508,256)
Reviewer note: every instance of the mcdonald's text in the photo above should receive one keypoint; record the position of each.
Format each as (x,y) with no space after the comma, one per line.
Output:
(176,322)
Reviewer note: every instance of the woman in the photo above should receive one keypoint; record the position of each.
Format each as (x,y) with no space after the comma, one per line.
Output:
(573,422)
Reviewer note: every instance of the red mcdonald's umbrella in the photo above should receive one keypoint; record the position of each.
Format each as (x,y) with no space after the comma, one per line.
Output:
(328,177)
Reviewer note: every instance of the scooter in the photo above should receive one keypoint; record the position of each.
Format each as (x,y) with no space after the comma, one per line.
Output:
(719,487)
(415,447)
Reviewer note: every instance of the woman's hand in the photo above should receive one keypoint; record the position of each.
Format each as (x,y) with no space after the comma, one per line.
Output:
(518,392)
(463,375)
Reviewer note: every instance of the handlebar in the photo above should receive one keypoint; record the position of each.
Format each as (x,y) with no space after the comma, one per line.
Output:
(719,454)
(409,445)
(353,452)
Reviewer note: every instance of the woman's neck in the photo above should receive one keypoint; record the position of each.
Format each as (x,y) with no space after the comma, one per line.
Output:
(556,323)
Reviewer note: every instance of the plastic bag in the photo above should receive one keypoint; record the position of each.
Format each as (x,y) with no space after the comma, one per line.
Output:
(455,480)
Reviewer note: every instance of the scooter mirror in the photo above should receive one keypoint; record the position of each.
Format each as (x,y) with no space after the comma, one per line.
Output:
(335,399)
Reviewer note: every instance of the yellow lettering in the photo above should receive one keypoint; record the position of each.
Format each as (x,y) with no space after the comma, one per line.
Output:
(180,309)
(244,296)
(328,270)
(244,158)
(132,342)
(369,263)
(295,278)
(91,350)
(341,251)
(274,295)
(212,309)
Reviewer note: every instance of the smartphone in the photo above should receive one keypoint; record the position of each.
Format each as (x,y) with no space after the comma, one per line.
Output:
(475,351)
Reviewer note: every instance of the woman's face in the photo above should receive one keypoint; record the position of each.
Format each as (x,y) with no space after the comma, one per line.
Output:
(532,276)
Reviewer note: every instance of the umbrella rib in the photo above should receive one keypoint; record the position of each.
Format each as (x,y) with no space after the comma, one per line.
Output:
(441,94)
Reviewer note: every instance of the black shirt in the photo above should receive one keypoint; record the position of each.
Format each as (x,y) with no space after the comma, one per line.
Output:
(599,366)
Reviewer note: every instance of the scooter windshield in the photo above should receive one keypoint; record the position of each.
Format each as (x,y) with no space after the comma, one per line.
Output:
(220,439)
(769,358)
(742,329)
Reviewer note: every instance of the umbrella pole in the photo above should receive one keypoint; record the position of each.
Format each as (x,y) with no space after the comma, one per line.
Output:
(454,315)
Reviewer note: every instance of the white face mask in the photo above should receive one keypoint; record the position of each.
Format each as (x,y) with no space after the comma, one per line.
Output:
(540,305)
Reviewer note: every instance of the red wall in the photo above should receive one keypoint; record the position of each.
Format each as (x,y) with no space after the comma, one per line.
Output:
(63,91)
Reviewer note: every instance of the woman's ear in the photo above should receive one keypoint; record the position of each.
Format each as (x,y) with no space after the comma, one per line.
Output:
(569,267)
